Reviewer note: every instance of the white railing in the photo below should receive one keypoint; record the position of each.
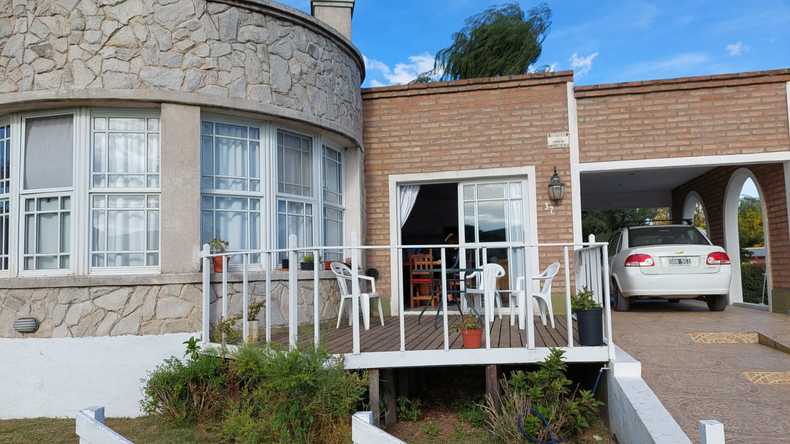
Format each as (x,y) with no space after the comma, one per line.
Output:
(592,271)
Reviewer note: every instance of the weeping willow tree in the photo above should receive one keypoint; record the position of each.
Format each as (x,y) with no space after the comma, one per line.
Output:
(500,41)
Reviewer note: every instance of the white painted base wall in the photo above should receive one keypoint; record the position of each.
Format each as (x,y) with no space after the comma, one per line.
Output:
(635,413)
(57,377)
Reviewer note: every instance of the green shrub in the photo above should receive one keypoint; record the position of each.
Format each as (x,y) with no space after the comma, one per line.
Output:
(409,409)
(291,397)
(473,414)
(186,391)
(547,393)
(752,280)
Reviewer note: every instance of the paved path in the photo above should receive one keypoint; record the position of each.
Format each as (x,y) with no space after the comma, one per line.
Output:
(705,381)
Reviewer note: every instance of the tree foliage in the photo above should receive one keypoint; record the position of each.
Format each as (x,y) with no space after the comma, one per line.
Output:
(500,41)
(750,222)
(604,223)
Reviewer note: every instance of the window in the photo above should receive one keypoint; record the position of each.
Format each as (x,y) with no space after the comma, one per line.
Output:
(647,236)
(333,201)
(46,195)
(5,193)
(295,195)
(124,191)
(233,195)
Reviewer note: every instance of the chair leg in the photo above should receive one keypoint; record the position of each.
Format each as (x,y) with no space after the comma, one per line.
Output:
(551,312)
(381,312)
(542,305)
(340,312)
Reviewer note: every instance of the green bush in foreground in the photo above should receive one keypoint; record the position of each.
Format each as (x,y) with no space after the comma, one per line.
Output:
(186,391)
(530,398)
(258,394)
(292,397)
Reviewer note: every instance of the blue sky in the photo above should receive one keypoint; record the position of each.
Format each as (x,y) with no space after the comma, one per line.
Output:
(603,41)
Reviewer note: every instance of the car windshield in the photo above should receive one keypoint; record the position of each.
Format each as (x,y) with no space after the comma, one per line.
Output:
(643,237)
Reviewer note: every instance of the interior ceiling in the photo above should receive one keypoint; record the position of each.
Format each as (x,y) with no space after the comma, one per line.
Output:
(649,188)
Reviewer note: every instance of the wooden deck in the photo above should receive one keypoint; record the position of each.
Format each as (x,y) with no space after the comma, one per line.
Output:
(425,335)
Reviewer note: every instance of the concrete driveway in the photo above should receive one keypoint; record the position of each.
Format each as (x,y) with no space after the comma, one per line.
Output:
(711,380)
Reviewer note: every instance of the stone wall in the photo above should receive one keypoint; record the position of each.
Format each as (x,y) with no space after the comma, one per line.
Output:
(145,309)
(200,50)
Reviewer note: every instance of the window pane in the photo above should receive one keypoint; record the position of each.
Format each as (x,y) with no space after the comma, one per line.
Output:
(491,191)
(126,152)
(47,229)
(125,230)
(491,220)
(126,124)
(48,152)
(294,164)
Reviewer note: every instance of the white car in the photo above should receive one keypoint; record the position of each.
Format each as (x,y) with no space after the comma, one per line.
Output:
(672,262)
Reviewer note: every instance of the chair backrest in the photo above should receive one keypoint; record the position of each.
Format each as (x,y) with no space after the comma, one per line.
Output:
(343,275)
(421,263)
(490,274)
(549,274)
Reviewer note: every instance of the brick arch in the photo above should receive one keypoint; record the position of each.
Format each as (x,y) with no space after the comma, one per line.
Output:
(692,197)
(712,187)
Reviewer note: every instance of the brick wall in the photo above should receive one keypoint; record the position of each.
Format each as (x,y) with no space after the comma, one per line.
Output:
(487,123)
(700,116)
(712,187)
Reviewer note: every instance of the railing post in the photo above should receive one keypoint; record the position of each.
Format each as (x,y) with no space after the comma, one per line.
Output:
(205,255)
(245,295)
(444,301)
(400,294)
(355,293)
(269,267)
(528,288)
(316,313)
(568,311)
(224,292)
(293,283)
(607,301)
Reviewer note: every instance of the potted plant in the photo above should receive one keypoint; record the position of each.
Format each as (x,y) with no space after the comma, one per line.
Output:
(327,265)
(471,331)
(217,246)
(284,263)
(307,262)
(589,318)
(252,320)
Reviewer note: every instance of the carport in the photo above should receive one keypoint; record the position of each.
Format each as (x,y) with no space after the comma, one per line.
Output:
(714,184)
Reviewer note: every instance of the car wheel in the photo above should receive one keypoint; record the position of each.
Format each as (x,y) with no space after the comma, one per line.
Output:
(619,302)
(717,302)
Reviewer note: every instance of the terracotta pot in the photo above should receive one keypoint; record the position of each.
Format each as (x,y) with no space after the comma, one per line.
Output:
(472,337)
(217,264)
(327,265)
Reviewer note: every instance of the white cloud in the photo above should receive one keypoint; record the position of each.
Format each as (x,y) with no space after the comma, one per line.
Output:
(404,72)
(678,64)
(581,65)
(736,49)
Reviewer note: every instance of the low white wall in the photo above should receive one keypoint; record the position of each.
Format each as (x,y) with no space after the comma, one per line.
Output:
(635,413)
(91,429)
(364,432)
(59,376)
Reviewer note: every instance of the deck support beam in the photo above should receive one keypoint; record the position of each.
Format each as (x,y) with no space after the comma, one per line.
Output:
(388,380)
(374,394)
(492,382)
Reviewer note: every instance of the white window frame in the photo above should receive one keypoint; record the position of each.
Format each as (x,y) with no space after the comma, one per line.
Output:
(315,198)
(146,191)
(6,219)
(21,194)
(264,193)
(341,207)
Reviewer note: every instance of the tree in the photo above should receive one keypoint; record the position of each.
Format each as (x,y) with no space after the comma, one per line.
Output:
(750,222)
(499,41)
(604,223)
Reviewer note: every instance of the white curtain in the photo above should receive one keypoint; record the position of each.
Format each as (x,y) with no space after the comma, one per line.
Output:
(407,196)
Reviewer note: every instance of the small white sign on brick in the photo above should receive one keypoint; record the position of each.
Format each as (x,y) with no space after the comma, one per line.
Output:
(558,140)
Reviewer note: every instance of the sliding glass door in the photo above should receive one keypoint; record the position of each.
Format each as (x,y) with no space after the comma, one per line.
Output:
(493,212)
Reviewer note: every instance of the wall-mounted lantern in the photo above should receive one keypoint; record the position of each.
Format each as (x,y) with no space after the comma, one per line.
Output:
(556,188)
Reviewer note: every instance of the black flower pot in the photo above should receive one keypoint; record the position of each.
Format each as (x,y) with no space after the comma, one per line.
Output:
(306,266)
(590,324)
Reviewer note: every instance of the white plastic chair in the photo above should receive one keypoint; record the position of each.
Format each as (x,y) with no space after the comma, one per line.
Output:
(343,275)
(543,297)
(486,281)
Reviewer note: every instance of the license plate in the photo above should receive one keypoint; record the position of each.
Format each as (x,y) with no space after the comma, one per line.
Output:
(682,261)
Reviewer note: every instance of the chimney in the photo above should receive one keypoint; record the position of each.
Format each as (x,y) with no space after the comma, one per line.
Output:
(335,13)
